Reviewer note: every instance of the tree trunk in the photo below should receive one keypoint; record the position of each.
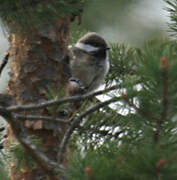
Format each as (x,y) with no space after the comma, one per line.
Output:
(37,63)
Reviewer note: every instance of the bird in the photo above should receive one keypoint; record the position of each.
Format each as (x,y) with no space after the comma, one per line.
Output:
(89,63)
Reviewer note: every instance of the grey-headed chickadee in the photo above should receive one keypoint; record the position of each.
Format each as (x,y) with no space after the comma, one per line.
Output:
(89,62)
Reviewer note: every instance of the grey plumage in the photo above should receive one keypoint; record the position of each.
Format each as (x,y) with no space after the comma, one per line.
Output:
(89,62)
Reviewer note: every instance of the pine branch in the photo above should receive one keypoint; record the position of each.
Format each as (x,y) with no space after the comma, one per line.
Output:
(4,62)
(172,8)
(19,130)
(51,167)
(40,117)
(18,108)
(46,122)
(76,121)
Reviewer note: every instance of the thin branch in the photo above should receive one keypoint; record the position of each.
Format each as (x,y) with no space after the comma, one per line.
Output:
(22,136)
(17,108)
(2,129)
(4,62)
(76,122)
(51,167)
(39,117)
(47,164)
(163,65)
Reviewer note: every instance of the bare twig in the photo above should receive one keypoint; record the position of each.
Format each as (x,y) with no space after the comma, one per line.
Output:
(17,108)
(39,117)
(76,122)
(2,129)
(4,62)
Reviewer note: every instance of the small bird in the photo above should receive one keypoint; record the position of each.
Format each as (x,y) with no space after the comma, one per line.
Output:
(89,62)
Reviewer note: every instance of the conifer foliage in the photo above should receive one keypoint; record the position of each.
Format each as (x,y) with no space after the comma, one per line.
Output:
(134,138)
(140,144)
(172,8)
(36,13)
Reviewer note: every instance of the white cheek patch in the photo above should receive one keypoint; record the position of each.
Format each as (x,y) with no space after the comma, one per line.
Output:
(86,47)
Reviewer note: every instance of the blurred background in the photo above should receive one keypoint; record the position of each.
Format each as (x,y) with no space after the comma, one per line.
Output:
(129,21)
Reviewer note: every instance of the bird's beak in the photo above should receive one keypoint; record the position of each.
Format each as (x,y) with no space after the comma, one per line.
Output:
(105,48)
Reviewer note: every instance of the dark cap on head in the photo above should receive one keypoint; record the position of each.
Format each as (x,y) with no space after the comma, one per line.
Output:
(93,39)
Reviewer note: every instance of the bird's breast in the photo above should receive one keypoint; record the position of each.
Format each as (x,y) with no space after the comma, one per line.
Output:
(84,71)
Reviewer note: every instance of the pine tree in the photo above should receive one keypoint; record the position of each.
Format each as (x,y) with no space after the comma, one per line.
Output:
(133,139)
(38,37)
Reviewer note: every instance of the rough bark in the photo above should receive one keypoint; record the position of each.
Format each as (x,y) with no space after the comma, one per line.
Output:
(38,63)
